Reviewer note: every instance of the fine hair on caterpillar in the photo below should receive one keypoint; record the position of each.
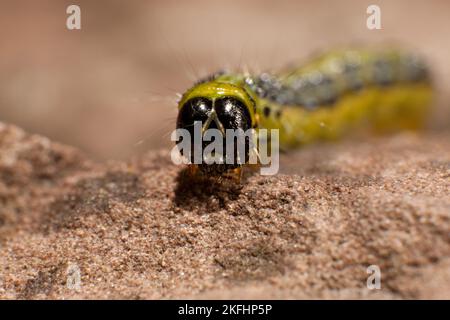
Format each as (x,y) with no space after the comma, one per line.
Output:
(331,96)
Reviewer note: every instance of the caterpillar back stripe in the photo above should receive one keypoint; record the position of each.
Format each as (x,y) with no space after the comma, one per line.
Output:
(331,76)
(325,99)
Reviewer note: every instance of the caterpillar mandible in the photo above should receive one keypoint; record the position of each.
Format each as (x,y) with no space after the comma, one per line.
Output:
(334,94)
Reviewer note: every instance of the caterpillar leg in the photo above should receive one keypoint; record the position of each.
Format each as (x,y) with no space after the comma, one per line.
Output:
(235,175)
(192,171)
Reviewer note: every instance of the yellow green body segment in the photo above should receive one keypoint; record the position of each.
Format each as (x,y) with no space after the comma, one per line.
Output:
(331,96)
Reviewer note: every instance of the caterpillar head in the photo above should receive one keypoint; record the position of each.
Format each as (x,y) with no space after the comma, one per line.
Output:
(213,111)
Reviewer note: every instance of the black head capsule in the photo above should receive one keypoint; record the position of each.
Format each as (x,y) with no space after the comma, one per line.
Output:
(235,119)
(224,113)
(232,113)
(195,109)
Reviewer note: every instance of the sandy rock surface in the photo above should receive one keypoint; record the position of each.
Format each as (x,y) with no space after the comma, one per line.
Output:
(139,229)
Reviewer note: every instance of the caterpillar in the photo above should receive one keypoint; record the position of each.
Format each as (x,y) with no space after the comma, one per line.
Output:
(334,94)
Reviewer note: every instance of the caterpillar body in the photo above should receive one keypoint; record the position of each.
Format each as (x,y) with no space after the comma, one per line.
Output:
(334,94)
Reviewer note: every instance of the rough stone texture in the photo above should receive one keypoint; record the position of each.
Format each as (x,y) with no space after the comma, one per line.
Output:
(140,229)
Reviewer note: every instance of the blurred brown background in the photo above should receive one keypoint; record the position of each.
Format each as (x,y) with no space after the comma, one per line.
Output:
(112,84)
